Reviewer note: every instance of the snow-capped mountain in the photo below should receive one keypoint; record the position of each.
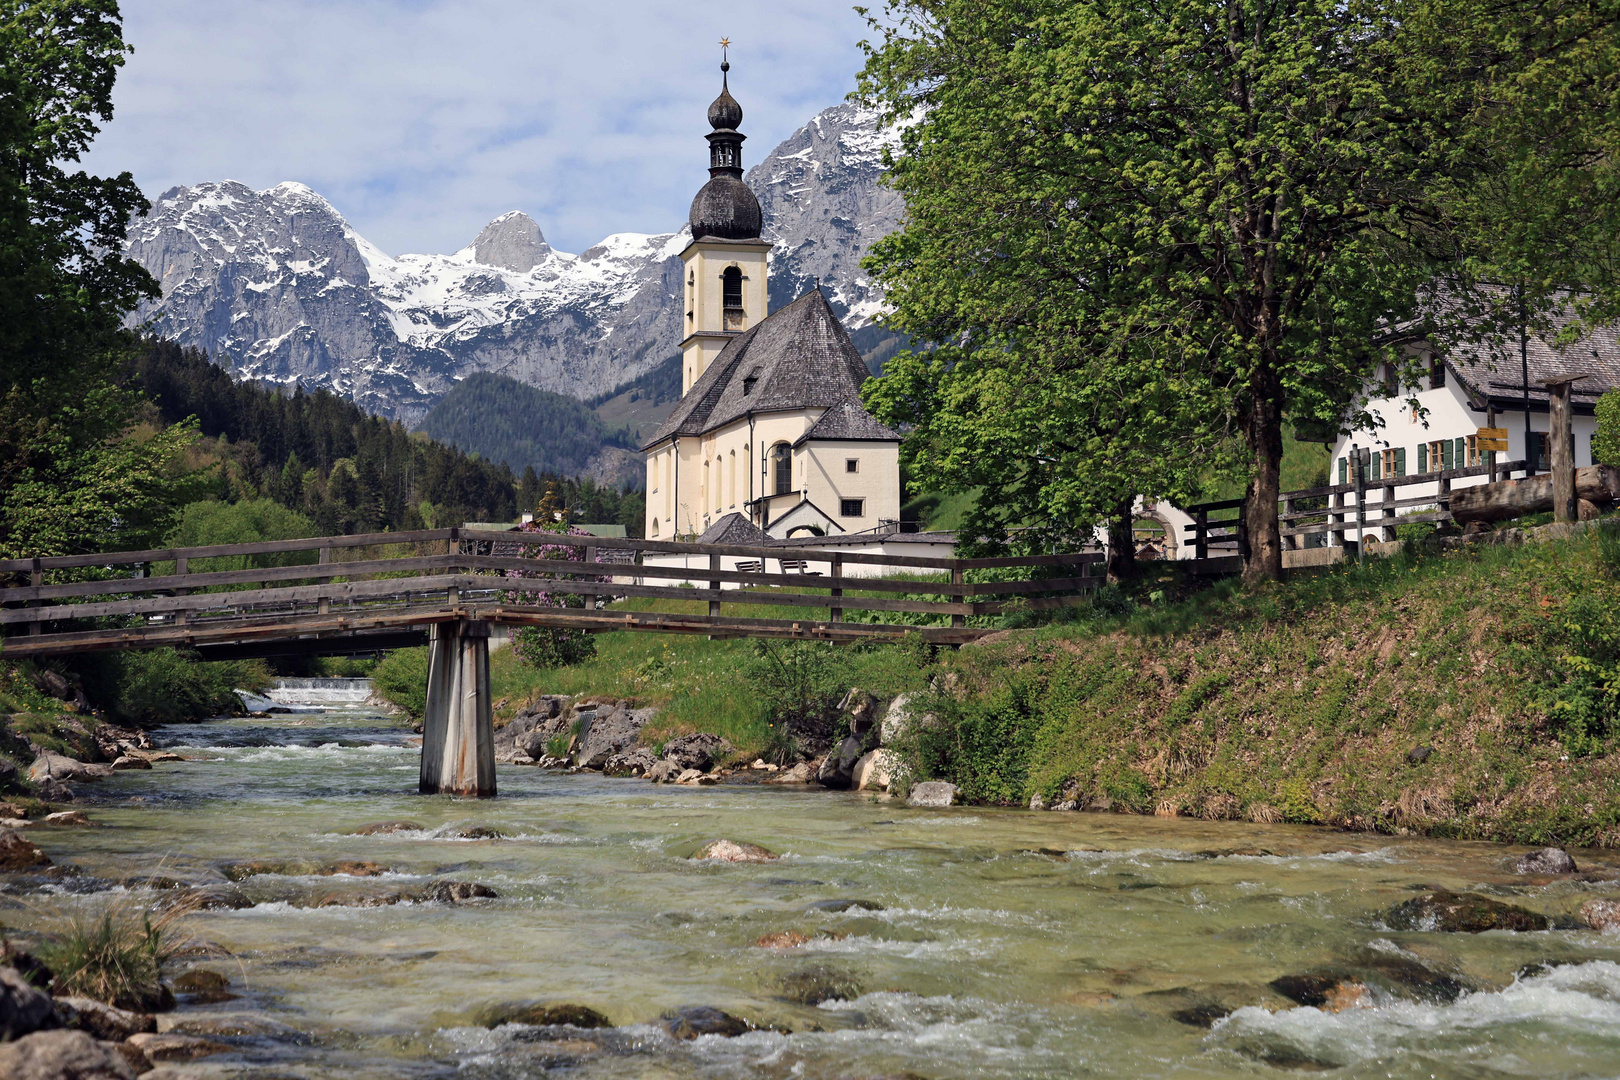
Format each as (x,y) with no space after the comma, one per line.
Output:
(276,284)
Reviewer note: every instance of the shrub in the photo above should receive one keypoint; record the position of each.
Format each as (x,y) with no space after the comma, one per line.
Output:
(167,686)
(1606,442)
(552,646)
(116,954)
(401,679)
(799,685)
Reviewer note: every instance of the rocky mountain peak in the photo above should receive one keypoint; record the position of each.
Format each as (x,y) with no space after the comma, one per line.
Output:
(512,242)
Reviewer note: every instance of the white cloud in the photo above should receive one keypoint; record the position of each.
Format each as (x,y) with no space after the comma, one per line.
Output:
(422,120)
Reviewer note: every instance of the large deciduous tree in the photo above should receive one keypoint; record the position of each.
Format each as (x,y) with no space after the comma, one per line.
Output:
(1145,233)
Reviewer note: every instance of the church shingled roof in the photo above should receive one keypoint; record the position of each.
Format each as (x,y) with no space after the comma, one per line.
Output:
(847,421)
(805,360)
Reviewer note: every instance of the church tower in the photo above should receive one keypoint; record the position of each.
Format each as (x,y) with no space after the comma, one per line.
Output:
(724,265)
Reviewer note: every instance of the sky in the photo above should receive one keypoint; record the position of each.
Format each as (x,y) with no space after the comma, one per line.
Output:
(423,120)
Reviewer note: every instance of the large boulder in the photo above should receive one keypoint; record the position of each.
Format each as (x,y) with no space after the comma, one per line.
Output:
(638,761)
(1546,861)
(542,1014)
(695,1020)
(932,793)
(1462,913)
(838,768)
(875,770)
(898,719)
(607,730)
(62,1055)
(173,1046)
(862,709)
(530,732)
(102,1020)
(18,854)
(24,1008)
(699,751)
(733,851)
(50,765)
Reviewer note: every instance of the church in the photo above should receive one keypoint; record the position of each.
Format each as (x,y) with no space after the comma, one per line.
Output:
(769,437)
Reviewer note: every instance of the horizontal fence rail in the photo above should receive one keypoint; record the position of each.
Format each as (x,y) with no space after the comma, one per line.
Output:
(388,582)
(1342,514)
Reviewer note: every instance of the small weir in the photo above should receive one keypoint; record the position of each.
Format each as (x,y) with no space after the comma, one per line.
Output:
(884,941)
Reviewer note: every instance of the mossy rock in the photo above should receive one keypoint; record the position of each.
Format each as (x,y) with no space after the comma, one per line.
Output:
(542,1014)
(1463,913)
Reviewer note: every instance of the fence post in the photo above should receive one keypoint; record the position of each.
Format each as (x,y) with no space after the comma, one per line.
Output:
(1335,537)
(323,606)
(1242,535)
(180,570)
(36,578)
(1201,535)
(1360,468)
(835,574)
(590,598)
(1290,543)
(1444,499)
(452,546)
(956,594)
(1388,514)
(714,605)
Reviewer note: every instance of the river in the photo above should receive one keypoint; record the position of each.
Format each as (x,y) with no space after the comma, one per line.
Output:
(998,943)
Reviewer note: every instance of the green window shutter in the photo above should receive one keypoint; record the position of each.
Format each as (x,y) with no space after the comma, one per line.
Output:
(1344,470)
(1423,457)
(1445,453)
(1459,455)
(1400,461)
(1377,465)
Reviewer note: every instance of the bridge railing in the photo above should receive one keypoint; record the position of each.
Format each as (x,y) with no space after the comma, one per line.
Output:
(382,581)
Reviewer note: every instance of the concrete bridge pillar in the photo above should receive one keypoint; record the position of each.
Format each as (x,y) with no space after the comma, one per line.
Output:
(458,736)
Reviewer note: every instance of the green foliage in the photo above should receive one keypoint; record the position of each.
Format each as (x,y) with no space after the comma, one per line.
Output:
(1144,238)
(401,679)
(166,686)
(799,685)
(1606,441)
(1582,697)
(553,646)
(116,954)
(503,420)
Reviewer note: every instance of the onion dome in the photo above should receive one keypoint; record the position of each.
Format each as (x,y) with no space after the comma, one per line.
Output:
(725,209)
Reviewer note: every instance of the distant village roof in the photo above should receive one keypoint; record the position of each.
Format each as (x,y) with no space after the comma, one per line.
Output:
(734,528)
(1494,373)
(847,421)
(799,357)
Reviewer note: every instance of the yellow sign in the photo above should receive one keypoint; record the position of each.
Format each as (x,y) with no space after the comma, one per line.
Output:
(1492,439)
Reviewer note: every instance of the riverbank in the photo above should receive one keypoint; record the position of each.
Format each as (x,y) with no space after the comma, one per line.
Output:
(1470,693)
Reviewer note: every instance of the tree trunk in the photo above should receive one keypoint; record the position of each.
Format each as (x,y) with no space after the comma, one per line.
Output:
(1121,544)
(1262,555)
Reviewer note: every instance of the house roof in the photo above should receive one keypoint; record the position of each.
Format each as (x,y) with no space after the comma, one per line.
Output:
(733,529)
(847,421)
(798,357)
(1496,372)
(803,512)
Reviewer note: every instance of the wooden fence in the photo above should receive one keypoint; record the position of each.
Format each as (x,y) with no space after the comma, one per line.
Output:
(388,581)
(1361,507)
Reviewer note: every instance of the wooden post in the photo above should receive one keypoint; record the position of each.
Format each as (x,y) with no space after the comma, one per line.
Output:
(714,605)
(956,594)
(1388,513)
(1490,455)
(180,569)
(1201,535)
(1358,465)
(1336,536)
(458,733)
(323,606)
(1290,543)
(36,578)
(589,599)
(452,595)
(835,574)
(1560,439)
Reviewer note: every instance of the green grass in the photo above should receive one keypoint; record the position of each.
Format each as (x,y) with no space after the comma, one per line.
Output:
(115,953)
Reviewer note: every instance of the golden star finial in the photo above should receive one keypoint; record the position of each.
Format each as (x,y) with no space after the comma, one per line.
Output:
(725,43)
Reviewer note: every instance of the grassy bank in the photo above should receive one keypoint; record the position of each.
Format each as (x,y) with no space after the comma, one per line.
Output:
(1466,694)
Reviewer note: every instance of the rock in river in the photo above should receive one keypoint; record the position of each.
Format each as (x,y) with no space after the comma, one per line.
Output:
(457,892)
(173,1046)
(814,985)
(838,768)
(24,1008)
(1546,861)
(695,1020)
(1601,914)
(62,1055)
(103,1020)
(699,751)
(1462,912)
(542,1014)
(18,854)
(932,793)
(733,851)
(379,827)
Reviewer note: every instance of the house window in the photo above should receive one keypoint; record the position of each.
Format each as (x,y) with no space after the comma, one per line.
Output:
(1437,373)
(1388,464)
(852,507)
(782,461)
(655,527)
(731,481)
(852,464)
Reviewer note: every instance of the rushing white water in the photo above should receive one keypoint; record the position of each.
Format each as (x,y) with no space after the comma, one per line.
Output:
(994,944)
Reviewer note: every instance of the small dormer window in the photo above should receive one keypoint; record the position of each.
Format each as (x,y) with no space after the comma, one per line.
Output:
(749,380)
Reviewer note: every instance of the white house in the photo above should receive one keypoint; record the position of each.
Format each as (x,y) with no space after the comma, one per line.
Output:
(770,424)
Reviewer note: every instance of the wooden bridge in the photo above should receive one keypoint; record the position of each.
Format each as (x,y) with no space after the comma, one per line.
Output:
(446,588)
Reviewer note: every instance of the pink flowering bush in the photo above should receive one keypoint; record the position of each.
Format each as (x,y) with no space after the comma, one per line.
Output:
(551,646)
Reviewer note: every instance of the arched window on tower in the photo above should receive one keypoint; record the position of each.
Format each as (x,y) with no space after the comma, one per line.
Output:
(782,463)
(732,297)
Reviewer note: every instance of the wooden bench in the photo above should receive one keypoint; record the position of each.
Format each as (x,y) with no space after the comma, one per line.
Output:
(798,566)
(751,566)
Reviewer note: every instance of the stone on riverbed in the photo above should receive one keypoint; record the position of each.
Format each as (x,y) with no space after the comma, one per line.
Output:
(67,817)
(933,793)
(1601,914)
(733,851)
(1329,991)
(838,768)
(50,765)
(457,892)
(700,751)
(226,1025)
(173,1046)
(695,1020)
(1546,861)
(124,762)
(341,868)
(62,1055)
(1462,913)
(18,854)
(377,828)
(636,762)
(541,1014)
(204,987)
(875,770)
(24,1008)
(844,905)
(102,1020)
(814,985)
(798,774)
